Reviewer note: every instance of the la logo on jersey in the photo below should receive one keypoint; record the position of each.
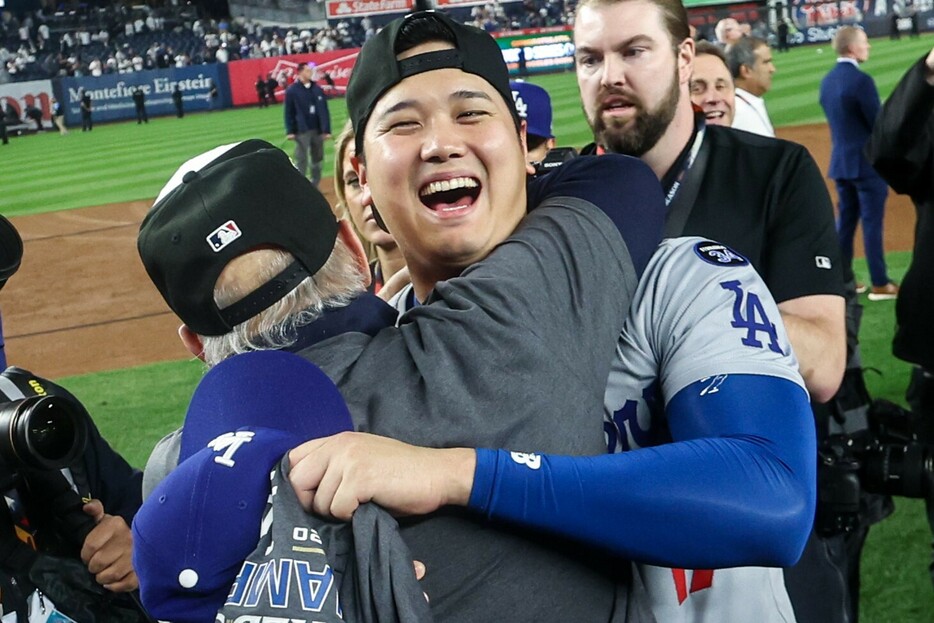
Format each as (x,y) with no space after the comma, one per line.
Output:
(223,236)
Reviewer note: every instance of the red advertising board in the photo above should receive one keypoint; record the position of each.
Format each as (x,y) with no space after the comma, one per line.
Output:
(20,95)
(243,74)
(337,9)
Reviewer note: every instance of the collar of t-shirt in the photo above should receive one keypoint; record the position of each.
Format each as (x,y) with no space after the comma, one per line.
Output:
(367,314)
(851,61)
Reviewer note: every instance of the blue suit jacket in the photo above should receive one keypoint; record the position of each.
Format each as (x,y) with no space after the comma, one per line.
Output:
(851,103)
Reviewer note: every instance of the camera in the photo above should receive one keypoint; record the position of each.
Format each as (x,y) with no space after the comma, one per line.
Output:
(41,432)
(554,159)
(893,456)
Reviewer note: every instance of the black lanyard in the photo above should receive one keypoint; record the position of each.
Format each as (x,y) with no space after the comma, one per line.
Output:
(684,182)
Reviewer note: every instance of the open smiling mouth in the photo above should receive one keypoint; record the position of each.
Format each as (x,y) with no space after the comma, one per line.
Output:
(449,196)
(714,114)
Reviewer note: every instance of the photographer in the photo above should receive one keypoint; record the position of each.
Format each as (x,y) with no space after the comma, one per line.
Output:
(901,148)
(65,546)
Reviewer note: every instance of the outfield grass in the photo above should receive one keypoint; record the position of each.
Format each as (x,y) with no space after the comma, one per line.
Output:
(134,407)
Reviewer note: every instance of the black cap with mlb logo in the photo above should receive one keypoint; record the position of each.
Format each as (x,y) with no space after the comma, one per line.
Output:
(220,205)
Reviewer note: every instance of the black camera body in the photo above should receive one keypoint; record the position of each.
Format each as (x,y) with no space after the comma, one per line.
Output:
(39,429)
(43,429)
(894,456)
(554,159)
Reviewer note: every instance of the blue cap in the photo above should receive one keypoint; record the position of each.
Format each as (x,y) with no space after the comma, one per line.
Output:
(268,388)
(193,533)
(534,105)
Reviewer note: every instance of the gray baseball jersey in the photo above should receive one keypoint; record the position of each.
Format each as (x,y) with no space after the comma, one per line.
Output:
(700,312)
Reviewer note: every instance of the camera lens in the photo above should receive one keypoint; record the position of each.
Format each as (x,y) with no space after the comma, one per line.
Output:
(50,431)
(41,432)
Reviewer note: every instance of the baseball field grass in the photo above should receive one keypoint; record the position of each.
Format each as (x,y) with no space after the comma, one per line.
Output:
(124,161)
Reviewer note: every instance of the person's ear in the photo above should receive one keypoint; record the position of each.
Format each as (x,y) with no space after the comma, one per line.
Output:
(686,54)
(192,341)
(524,141)
(366,197)
(350,238)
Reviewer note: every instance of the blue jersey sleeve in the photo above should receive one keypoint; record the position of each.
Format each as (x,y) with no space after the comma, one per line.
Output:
(624,188)
(737,487)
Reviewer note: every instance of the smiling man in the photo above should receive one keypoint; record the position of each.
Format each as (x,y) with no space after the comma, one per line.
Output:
(450,201)
(712,85)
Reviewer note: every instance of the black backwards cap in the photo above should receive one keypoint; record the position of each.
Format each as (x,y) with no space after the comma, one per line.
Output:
(377,70)
(220,205)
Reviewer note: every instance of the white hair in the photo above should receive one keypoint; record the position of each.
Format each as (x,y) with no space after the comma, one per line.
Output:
(334,285)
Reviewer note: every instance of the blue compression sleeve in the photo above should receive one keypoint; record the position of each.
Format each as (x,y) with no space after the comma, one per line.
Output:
(737,487)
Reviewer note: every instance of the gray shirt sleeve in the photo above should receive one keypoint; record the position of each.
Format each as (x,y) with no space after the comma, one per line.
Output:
(162,460)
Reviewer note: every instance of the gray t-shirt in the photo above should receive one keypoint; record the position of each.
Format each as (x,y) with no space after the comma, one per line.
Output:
(513,354)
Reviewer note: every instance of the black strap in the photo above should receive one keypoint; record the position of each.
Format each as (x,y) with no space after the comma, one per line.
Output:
(264,296)
(680,207)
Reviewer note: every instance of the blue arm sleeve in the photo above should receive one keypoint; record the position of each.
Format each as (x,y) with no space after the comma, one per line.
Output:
(737,487)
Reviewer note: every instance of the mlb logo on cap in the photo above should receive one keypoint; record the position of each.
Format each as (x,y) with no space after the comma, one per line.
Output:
(534,106)
(223,235)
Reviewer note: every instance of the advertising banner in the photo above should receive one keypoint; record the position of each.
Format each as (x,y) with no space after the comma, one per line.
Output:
(538,50)
(337,9)
(112,94)
(446,4)
(816,21)
(336,65)
(21,95)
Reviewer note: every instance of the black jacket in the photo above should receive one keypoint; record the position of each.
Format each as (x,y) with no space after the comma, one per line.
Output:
(901,149)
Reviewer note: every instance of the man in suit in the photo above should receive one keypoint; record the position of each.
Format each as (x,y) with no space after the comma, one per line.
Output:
(851,102)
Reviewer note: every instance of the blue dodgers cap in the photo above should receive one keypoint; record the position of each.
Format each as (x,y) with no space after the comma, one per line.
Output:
(191,536)
(534,105)
(267,388)
(193,533)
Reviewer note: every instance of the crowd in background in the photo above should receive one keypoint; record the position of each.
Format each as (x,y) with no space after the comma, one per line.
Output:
(91,41)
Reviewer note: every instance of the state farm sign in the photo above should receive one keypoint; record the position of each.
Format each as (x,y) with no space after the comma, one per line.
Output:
(355,8)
